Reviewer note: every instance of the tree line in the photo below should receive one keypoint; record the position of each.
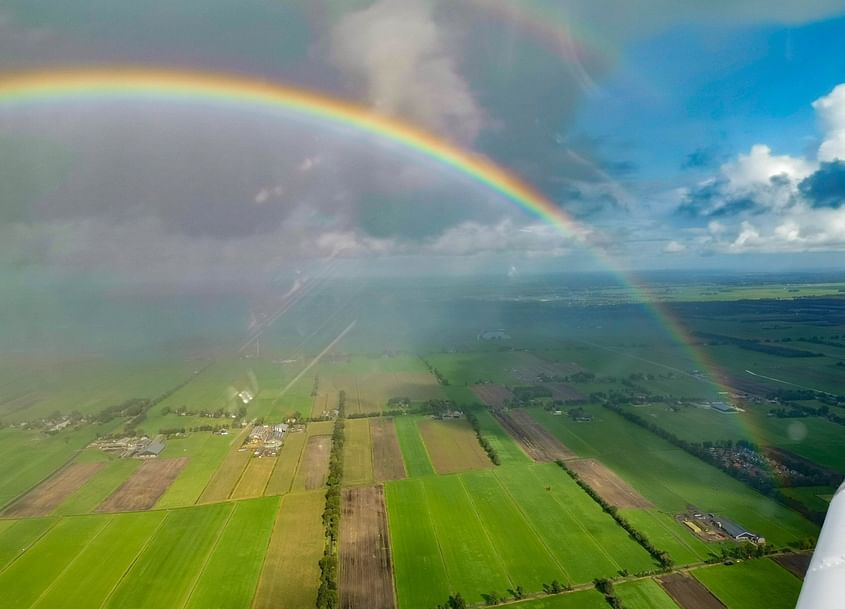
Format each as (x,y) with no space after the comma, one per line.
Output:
(763,485)
(661,556)
(327,596)
(488,448)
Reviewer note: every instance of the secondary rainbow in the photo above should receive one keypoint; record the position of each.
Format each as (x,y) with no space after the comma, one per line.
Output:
(63,86)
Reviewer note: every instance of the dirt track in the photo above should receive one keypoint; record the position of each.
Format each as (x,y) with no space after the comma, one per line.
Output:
(689,593)
(607,484)
(366,569)
(145,486)
(48,495)
(537,442)
(387,456)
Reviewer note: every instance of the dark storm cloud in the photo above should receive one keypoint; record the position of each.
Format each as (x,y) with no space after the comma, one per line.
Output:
(825,187)
(221,187)
(712,200)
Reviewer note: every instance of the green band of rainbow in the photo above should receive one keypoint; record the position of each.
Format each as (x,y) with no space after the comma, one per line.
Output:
(132,83)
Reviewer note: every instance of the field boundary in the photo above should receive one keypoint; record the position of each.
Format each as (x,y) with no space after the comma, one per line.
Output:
(129,567)
(532,528)
(32,543)
(583,528)
(211,477)
(486,532)
(58,575)
(208,556)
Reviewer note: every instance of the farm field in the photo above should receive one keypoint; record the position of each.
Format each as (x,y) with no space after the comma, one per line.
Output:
(357,453)
(143,488)
(688,592)
(227,474)
(103,483)
(644,594)
(387,455)
(366,569)
(813,438)
(562,534)
(414,454)
(176,555)
(669,535)
(18,535)
(47,496)
(254,478)
(369,382)
(29,457)
(672,479)
(506,448)
(505,368)
(25,579)
(314,466)
(230,575)
(95,571)
(290,575)
(452,446)
(205,452)
(751,584)
(87,385)
(287,462)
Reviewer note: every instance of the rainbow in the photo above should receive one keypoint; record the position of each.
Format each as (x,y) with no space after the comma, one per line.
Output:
(62,86)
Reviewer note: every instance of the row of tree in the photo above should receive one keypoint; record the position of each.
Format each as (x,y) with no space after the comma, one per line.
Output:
(662,557)
(605,586)
(327,597)
(440,378)
(137,408)
(488,448)
(764,485)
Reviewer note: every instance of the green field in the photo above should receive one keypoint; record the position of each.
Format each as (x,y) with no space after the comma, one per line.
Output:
(205,452)
(225,477)
(673,479)
(644,594)
(28,577)
(414,453)
(669,535)
(509,451)
(290,575)
(752,584)
(91,494)
(813,438)
(230,576)
(489,531)
(286,463)
(95,571)
(165,572)
(88,385)
(19,535)
(28,457)
(815,497)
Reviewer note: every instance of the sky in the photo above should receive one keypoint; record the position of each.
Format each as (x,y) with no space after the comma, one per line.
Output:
(675,134)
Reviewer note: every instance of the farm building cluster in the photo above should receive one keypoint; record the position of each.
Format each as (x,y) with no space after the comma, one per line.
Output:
(138,447)
(266,440)
(712,527)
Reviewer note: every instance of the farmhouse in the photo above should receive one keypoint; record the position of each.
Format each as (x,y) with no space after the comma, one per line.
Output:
(153,449)
(722,407)
(736,531)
